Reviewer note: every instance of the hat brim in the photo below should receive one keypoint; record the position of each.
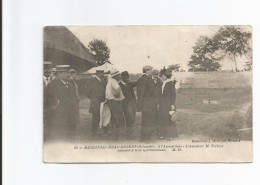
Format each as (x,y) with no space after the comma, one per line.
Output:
(62,70)
(117,74)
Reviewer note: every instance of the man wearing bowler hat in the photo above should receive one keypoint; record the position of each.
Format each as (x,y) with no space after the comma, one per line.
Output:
(96,94)
(61,102)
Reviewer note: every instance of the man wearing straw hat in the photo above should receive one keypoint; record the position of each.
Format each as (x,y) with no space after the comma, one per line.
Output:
(61,102)
(114,96)
(96,94)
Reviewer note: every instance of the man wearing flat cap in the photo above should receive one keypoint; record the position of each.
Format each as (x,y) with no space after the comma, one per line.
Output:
(96,94)
(61,102)
(140,86)
(147,103)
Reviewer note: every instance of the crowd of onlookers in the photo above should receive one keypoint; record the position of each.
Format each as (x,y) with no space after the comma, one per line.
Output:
(155,98)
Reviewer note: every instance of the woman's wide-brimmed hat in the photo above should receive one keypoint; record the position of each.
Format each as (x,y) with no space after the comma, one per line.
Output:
(166,72)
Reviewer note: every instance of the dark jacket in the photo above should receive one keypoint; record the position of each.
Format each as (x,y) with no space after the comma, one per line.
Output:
(62,101)
(158,90)
(151,96)
(96,94)
(140,88)
(128,91)
(168,98)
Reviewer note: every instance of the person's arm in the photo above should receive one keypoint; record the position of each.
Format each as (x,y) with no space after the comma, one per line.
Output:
(51,96)
(89,89)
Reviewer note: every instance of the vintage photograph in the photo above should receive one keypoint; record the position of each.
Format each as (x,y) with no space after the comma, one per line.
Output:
(147,94)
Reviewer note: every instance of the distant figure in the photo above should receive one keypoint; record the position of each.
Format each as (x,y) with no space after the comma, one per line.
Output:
(167,127)
(114,96)
(73,74)
(129,103)
(96,94)
(46,73)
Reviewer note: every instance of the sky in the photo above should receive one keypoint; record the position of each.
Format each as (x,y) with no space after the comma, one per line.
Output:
(130,46)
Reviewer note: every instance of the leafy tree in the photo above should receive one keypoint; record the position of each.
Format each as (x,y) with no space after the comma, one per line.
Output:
(233,41)
(205,56)
(248,66)
(229,41)
(99,51)
(174,67)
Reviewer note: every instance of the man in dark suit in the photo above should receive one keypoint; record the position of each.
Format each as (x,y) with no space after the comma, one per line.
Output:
(46,81)
(73,74)
(96,94)
(158,92)
(148,103)
(129,103)
(62,102)
(140,86)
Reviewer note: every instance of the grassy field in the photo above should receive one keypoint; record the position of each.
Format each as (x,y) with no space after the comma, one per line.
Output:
(222,118)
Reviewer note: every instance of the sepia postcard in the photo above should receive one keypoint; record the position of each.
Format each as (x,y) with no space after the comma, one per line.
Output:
(120,94)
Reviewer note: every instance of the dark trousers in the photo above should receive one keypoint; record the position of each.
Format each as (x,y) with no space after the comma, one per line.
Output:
(148,125)
(117,119)
(95,121)
(167,127)
(129,109)
(77,114)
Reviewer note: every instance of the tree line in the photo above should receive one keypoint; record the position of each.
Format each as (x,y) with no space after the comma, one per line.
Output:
(229,42)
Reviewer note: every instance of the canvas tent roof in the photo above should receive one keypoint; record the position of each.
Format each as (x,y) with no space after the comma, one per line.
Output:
(61,46)
(105,67)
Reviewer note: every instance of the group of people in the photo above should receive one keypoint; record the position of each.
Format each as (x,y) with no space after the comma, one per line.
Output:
(61,100)
(155,98)
(119,95)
